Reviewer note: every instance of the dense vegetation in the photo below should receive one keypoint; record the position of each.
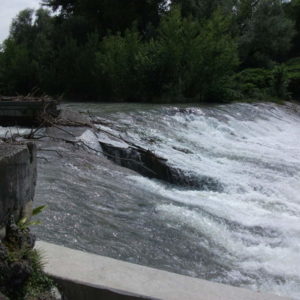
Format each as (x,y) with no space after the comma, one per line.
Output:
(155,50)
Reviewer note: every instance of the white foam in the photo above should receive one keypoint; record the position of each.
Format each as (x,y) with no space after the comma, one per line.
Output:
(258,162)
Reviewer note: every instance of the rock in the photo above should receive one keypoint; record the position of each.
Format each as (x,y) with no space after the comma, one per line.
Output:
(73,118)
(17,180)
(150,165)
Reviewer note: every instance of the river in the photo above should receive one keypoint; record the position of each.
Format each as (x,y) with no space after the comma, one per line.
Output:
(245,233)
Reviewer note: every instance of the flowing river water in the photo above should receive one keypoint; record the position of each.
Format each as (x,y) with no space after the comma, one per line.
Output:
(245,233)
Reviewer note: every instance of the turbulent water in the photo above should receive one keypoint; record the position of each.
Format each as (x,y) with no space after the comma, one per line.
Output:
(247,233)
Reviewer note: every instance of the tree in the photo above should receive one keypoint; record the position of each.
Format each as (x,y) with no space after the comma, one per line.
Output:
(111,15)
(27,53)
(292,9)
(204,9)
(265,32)
(18,72)
(21,27)
(197,58)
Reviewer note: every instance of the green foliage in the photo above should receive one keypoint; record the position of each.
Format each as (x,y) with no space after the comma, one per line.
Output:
(32,282)
(262,84)
(252,84)
(187,60)
(204,9)
(293,69)
(25,222)
(265,32)
(280,81)
(292,10)
(39,283)
(21,266)
(18,72)
(118,63)
(196,59)
(148,50)
(111,15)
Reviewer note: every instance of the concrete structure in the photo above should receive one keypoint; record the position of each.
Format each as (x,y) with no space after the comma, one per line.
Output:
(84,276)
(25,110)
(17,182)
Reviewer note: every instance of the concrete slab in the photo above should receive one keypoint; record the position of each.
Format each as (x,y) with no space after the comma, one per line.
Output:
(86,274)
(17,181)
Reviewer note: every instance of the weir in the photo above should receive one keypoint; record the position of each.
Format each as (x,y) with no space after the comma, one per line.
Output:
(88,276)
(243,235)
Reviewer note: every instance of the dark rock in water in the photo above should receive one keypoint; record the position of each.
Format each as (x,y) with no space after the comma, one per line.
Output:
(183,150)
(150,165)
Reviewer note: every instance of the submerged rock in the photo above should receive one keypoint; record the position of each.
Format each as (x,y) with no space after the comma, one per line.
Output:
(148,164)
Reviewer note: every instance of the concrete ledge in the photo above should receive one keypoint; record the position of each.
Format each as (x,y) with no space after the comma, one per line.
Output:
(89,276)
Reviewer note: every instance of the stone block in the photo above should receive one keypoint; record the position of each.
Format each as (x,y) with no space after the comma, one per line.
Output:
(18,173)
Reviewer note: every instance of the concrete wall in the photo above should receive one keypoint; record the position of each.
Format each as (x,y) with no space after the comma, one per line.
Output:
(85,276)
(17,182)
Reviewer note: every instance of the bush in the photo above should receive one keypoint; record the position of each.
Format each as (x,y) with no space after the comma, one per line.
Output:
(21,267)
(279,81)
(293,70)
(261,84)
(187,60)
(117,66)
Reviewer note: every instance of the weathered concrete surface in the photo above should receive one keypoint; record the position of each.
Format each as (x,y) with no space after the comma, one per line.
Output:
(88,276)
(17,181)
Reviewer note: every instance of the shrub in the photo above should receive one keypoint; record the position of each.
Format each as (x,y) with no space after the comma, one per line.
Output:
(261,84)
(293,70)
(187,60)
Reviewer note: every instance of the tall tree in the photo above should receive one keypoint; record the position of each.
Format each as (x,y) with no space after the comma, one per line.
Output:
(111,15)
(204,9)
(21,27)
(292,9)
(265,32)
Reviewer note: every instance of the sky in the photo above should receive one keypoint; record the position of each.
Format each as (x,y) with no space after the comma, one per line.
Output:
(9,9)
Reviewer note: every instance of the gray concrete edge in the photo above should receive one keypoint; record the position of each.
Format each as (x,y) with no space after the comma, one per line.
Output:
(84,275)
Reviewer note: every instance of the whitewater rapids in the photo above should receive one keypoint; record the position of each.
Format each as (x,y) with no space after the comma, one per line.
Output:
(245,234)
